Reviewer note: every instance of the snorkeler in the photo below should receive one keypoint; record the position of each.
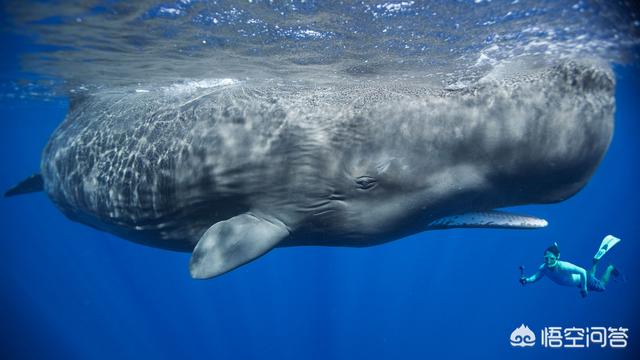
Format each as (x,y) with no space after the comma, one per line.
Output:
(567,274)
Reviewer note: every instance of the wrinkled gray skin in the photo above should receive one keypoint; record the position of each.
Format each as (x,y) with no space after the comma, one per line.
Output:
(343,166)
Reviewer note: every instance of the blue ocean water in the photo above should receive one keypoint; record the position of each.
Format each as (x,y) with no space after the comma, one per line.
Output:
(71,292)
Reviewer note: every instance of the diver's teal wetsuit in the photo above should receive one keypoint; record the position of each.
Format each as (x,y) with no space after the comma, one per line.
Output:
(567,274)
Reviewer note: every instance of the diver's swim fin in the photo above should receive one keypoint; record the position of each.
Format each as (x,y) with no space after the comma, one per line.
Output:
(608,242)
(488,219)
(33,183)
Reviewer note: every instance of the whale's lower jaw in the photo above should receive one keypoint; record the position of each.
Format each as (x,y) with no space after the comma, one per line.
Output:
(488,219)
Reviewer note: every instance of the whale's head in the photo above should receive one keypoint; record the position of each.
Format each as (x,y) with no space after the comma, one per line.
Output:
(522,139)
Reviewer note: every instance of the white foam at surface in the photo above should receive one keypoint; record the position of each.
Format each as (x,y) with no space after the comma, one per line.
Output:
(171,11)
(189,86)
(395,7)
(309,34)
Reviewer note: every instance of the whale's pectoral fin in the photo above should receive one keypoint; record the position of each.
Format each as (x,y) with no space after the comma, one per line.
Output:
(488,219)
(234,242)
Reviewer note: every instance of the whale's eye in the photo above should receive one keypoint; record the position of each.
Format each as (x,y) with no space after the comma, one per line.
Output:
(366,182)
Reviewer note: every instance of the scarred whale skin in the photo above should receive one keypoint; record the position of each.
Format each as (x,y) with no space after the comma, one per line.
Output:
(348,165)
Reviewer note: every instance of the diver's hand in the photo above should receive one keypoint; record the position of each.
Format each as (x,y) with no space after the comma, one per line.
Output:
(523,281)
(584,293)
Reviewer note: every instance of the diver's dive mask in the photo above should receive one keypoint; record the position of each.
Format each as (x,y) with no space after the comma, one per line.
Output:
(551,259)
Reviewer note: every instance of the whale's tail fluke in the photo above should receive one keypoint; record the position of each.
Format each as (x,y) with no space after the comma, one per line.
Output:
(31,184)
